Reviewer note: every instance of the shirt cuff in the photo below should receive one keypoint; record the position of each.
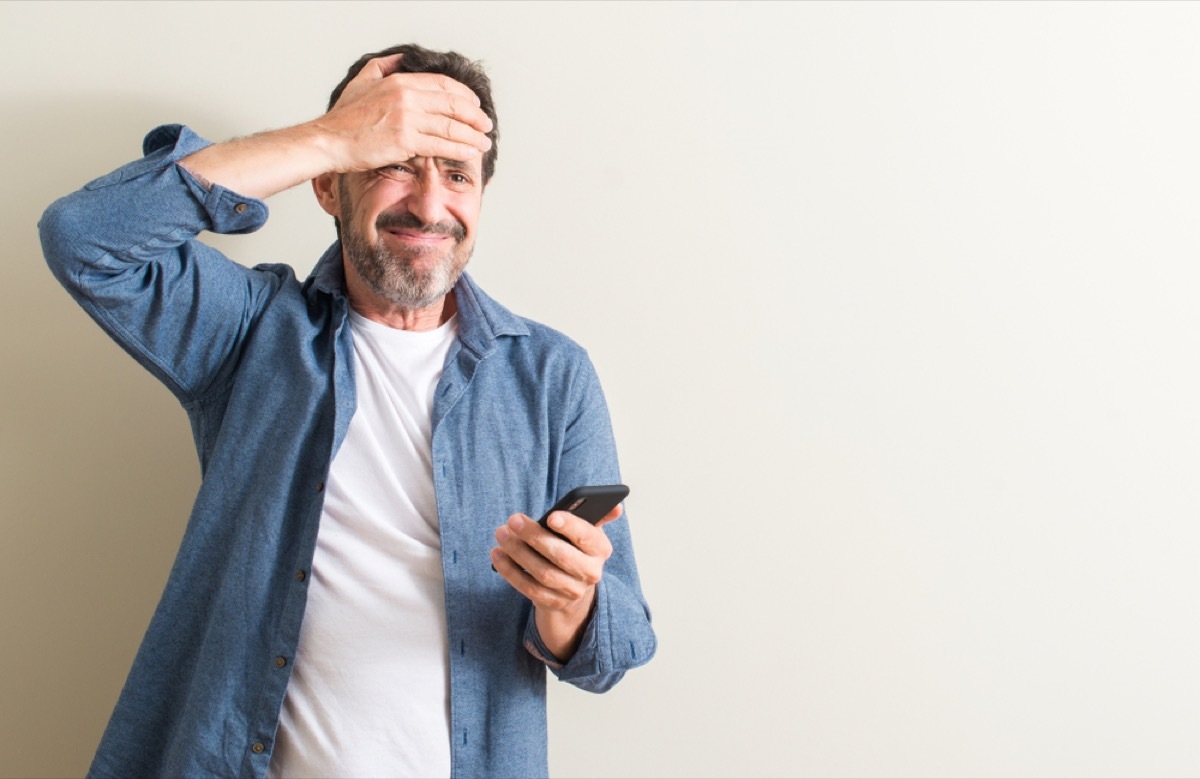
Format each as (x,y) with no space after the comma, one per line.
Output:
(583,661)
(163,147)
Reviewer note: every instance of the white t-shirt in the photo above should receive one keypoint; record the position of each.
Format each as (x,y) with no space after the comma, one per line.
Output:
(369,693)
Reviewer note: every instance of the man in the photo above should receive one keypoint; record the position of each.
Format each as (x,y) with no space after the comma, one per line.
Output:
(354,594)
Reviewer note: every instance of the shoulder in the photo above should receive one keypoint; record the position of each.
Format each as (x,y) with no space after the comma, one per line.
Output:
(534,354)
(281,272)
(486,319)
(542,337)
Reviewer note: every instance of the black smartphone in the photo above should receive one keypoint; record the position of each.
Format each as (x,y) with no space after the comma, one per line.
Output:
(590,503)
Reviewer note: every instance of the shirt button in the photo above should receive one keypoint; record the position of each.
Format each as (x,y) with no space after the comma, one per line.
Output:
(240,208)
(300,576)
(258,747)
(280,662)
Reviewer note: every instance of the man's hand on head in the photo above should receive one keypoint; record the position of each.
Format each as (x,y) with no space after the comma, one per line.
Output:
(383,117)
(558,571)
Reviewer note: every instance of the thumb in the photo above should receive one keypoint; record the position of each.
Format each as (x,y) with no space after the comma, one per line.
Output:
(375,70)
(379,67)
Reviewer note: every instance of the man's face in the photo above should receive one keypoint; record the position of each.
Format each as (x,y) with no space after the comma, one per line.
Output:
(408,230)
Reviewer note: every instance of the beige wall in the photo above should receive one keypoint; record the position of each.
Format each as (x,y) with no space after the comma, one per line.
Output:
(895,306)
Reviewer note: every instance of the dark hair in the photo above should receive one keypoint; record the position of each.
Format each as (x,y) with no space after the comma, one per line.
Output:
(418,59)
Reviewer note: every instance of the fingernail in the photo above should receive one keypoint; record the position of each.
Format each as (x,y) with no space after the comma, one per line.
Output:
(516,522)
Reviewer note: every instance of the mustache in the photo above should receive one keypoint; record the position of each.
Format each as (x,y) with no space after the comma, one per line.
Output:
(407,221)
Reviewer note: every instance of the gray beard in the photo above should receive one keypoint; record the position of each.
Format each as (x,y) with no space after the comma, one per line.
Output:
(392,276)
(395,279)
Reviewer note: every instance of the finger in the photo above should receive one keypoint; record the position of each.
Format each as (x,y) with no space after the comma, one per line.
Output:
(537,565)
(546,573)
(437,94)
(378,68)
(431,92)
(440,148)
(552,560)
(448,129)
(525,584)
(583,535)
(429,135)
(374,71)
(467,109)
(455,106)
(439,82)
(511,571)
(447,84)
(581,551)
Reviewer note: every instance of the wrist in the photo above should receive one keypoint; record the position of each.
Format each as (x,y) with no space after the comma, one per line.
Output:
(326,144)
(262,164)
(562,629)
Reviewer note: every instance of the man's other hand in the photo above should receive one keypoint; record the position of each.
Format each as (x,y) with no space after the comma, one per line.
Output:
(558,573)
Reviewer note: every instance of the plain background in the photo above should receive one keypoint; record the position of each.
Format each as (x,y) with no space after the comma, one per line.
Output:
(894,305)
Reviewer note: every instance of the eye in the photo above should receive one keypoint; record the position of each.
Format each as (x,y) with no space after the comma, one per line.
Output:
(399,170)
(459,181)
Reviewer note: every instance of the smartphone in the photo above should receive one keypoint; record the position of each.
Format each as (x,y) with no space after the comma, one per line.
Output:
(590,503)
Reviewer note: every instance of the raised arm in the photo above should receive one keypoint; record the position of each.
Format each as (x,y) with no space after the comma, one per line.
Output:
(378,120)
(123,245)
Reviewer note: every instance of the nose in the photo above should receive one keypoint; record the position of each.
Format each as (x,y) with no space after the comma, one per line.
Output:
(428,198)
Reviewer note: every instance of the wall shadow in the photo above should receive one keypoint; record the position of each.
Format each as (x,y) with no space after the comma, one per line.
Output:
(97,469)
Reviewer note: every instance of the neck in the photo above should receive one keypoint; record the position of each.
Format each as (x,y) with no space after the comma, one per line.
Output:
(377,309)
(429,318)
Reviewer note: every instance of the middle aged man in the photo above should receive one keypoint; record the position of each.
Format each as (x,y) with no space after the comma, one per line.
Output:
(343,603)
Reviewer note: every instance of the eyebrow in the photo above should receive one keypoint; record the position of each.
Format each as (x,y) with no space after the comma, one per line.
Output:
(455,164)
(445,162)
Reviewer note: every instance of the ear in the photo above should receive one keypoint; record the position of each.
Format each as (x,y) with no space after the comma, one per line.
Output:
(325,187)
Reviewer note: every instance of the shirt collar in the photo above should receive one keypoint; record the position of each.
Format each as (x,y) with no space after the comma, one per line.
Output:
(481,320)
(328,275)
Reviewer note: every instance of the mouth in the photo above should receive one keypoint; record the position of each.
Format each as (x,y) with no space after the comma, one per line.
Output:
(417,237)
(410,230)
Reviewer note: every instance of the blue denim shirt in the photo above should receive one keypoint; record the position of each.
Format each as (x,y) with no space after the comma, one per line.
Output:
(262,363)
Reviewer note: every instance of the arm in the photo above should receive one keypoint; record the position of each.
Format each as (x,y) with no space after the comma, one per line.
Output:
(590,622)
(378,120)
(123,245)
